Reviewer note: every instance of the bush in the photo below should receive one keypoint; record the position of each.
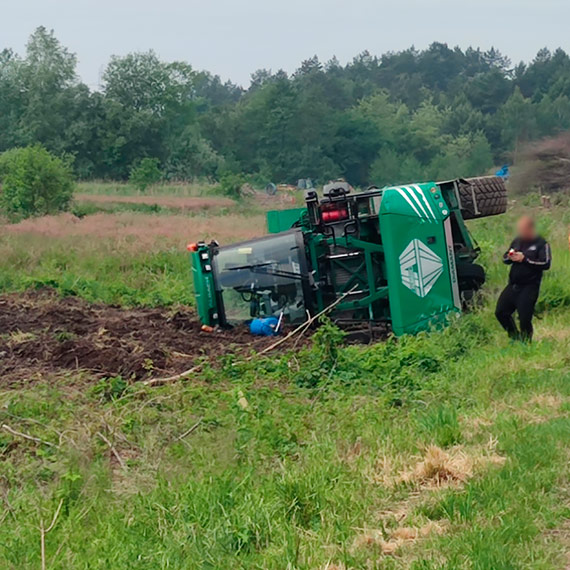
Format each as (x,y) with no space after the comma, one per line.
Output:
(231,184)
(34,182)
(146,173)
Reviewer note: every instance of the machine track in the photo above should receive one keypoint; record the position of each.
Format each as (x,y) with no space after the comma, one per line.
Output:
(482,197)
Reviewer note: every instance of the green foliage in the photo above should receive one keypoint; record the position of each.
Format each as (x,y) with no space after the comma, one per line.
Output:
(192,156)
(82,209)
(231,184)
(323,360)
(110,388)
(146,173)
(441,426)
(402,116)
(142,82)
(34,182)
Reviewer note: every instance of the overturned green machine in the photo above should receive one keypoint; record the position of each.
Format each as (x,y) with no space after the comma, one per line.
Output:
(394,259)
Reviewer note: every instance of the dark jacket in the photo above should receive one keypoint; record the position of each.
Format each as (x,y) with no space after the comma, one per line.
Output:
(537,259)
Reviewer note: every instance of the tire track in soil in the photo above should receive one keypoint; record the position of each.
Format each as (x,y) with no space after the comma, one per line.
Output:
(43,333)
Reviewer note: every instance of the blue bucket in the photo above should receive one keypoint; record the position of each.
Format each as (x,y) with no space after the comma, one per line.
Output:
(264,327)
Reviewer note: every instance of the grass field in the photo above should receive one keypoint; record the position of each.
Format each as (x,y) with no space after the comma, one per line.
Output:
(126,189)
(445,450)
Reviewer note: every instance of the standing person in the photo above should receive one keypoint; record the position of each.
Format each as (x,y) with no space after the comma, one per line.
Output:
(528,256)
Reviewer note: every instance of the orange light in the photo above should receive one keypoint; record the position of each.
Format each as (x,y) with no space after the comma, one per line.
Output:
(192,247)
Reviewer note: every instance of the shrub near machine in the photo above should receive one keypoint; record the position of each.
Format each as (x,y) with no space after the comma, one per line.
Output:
(398,258)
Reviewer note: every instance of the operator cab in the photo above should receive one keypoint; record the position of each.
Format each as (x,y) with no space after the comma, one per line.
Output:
(262,278)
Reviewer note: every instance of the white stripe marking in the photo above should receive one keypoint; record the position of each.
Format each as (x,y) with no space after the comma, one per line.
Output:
(425,199)
(403,194)
(413,195)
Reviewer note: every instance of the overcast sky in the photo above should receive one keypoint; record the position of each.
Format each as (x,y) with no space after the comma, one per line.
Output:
(233,38)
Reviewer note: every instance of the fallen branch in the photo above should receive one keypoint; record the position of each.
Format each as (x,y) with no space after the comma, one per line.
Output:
(7,428)
(189,431)
(155,381)
(33,421)
(300,329)
(182,354)
(44,531)
(113,450)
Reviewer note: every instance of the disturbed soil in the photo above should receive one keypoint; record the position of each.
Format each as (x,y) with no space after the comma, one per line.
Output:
(42,333)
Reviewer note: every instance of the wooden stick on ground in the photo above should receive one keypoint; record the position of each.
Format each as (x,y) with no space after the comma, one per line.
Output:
(44,531)
(189,431)
(155,381)
(7,428)
(113,450)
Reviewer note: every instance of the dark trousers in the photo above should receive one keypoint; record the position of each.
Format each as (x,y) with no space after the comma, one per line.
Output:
(520,298)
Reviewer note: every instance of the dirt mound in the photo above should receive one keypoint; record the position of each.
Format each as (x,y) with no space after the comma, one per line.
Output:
(41,333)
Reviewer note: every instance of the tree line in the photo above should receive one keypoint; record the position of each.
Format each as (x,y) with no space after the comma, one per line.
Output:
(415,114)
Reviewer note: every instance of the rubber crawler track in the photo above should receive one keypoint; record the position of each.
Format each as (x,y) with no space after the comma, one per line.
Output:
(490,197)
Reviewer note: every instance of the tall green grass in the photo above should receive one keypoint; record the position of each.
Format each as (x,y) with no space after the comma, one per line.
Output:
(97,269)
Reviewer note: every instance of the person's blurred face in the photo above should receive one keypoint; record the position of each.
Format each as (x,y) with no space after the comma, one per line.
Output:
(525,228)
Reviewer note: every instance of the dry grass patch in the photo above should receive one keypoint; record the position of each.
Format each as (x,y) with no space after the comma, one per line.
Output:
(388,542)
(18,337)
(146,229)
(473,426)
(541,408)
(559,334)
(398,513)
(437,468)
(538,409)
(182,202)
(376,540)
(441,468)
(550,401)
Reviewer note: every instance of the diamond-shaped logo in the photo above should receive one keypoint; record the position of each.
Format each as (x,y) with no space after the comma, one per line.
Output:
(420,267)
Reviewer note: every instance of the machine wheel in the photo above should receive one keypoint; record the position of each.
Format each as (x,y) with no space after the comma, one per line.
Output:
(482,197)
(471,278)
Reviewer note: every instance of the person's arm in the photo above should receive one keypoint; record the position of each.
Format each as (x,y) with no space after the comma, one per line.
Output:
(506,258)
(544,258)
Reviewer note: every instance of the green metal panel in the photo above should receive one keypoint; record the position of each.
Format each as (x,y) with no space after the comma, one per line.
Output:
(204,288)
(283,220)
(420,279)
